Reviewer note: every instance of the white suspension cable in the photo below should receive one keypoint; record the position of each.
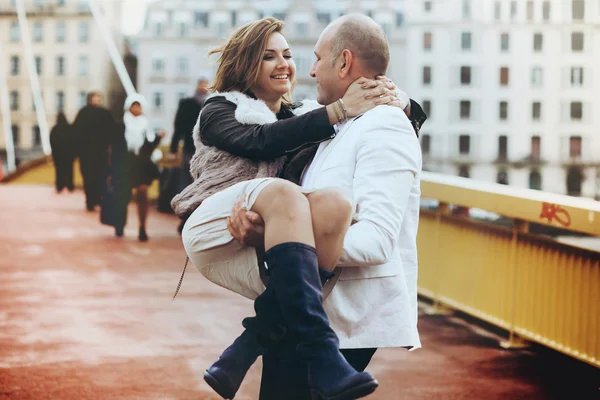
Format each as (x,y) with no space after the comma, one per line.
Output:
(112,48)
(6,120)
(33,77)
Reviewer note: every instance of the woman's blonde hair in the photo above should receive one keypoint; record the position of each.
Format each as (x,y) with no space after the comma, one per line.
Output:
(240,59)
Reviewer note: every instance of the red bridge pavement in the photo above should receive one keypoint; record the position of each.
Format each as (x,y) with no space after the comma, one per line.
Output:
(85,315)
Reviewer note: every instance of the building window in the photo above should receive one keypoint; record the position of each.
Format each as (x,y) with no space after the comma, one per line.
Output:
(529,10)
(577,41)
(574,179)
(83,5)
(503,148)
(60,32)
(279,15)
(466,9)
(180,96)
(303,66)
(234,18)
(36,136)
(502,177)
(536,76)
(426,144)
(576,110)
(427,41)
(221,29)
(60,101)
(201,19)
(426,75)
(503,110)
(513,10)
(84,32)
(504,42)
(157,29)
(16,135)
(578,9)
(157,101)
(37,32)
(399,18)
(463,171)
(82,99)
(83,66)
(61,2)
(575,146)
(38,64)
(14,100)
(465,75)
(60,66)
(503,76)
(158,66)
(536,148)
(465,109)
(387,29)
(182,65)
(324,17)
(14,65)
(538,42)
(15,33)
(576,76)
(182,29)
(427,108)
(464,144)
(536,110)
(546,10)
(535,180)
(497,10)
(465,41)
(427,5)
(301,29)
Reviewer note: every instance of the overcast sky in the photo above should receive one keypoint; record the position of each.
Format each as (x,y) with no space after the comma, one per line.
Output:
(133,15)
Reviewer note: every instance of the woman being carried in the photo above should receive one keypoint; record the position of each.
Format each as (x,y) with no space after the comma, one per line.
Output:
(304,229)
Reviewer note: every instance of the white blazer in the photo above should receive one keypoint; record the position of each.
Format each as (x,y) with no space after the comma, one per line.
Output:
(376,159)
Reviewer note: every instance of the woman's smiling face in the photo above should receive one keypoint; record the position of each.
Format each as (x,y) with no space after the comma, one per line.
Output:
(277,71)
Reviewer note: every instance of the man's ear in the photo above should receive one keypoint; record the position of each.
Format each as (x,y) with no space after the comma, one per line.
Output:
(345,61)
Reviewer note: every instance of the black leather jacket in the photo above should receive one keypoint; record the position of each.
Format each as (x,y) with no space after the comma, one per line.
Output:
(296,137)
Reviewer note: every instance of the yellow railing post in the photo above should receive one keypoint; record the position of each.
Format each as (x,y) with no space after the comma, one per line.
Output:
(514,341)
(437,308)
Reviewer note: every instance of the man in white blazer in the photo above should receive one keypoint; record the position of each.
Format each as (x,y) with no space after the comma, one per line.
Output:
(376,159)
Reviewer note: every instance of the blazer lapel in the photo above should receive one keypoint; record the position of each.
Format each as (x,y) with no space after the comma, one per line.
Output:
(328,147)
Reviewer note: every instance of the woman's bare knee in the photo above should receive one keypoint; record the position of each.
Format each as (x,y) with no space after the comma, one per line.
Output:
(282,197)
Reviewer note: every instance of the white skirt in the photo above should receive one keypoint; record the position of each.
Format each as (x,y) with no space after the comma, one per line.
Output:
(212,249)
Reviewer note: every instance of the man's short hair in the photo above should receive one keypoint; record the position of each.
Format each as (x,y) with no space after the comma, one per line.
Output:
(90,95)
(365,39)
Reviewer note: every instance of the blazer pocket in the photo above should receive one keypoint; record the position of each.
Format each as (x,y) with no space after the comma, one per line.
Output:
(392,268)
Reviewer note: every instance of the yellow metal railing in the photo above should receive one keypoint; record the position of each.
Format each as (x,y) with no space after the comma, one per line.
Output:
(533,286)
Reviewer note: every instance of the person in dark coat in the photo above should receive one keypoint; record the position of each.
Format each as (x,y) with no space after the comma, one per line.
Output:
(185,119)
(93,127)
(63,147)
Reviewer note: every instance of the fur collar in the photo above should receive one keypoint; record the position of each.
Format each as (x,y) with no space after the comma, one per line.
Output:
(251,111)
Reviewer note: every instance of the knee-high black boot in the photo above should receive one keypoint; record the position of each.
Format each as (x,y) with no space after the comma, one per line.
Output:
(262,332)
(295,278)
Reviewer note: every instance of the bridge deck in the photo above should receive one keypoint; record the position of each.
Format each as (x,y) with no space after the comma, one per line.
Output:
(84,315)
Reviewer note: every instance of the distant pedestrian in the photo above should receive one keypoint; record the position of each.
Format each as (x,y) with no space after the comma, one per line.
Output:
(141,140)
(64,148)
(94,127)
(185,119)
